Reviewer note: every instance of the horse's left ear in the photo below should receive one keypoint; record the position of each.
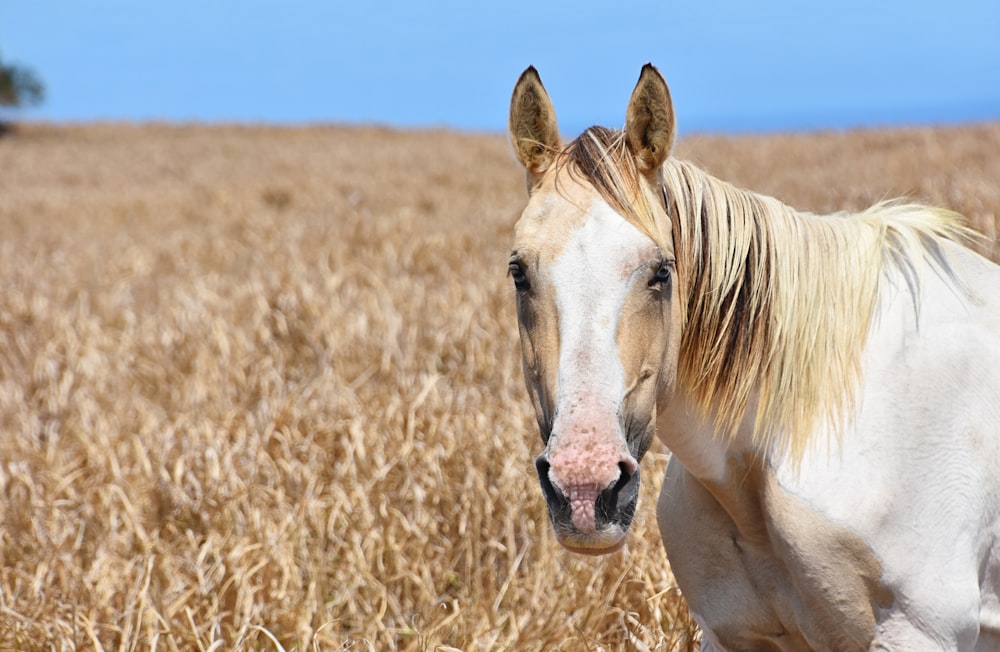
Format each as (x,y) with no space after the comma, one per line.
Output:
(649,120)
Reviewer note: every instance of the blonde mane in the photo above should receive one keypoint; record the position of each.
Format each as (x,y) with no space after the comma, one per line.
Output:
(775,303)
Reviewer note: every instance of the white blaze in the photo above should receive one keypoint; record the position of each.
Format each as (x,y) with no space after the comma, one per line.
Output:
(592,277)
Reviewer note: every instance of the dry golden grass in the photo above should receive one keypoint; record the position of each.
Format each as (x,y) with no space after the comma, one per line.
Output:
(260,388)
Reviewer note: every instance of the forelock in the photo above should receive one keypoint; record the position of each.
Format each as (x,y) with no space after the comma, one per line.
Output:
(601,158)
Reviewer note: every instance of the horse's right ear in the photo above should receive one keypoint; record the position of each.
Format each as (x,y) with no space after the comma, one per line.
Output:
(533,128)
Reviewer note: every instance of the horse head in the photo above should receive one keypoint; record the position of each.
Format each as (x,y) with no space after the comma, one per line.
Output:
(596,303)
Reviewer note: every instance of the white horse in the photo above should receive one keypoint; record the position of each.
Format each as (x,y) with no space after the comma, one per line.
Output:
(829,387)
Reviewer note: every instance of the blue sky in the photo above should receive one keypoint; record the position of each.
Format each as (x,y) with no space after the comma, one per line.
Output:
(732,66)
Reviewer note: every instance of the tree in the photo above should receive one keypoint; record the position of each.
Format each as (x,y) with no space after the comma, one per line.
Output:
(19,86)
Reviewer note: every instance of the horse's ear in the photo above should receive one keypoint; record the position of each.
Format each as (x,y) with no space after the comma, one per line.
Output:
(533,128)
(649,120)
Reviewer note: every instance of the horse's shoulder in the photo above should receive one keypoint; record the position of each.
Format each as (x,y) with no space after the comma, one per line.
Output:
(780,574)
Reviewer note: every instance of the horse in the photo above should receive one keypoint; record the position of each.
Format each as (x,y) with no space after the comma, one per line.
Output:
(828,387)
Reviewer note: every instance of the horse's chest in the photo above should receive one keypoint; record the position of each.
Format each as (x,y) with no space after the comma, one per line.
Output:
(780,580)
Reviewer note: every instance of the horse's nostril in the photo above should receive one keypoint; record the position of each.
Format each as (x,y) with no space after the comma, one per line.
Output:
(624,475)
(542,466)
(556,499)
(617,502)
(628,466)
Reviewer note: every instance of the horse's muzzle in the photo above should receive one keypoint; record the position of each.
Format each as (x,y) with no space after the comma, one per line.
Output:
(587,519)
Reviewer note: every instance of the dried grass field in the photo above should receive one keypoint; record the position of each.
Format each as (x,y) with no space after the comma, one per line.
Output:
(260,388)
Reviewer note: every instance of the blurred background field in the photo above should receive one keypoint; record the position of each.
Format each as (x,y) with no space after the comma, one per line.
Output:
(260,387)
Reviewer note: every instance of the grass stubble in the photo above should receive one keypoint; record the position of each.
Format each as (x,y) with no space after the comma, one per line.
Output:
(260,388)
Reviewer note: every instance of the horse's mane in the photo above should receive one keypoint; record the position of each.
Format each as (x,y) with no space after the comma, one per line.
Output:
(776,304)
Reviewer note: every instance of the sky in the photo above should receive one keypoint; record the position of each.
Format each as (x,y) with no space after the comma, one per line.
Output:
(783,65)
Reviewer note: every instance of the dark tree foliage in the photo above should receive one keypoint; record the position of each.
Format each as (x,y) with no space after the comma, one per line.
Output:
(19,86)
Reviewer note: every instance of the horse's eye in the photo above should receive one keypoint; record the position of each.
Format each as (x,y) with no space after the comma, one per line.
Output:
(516,273)
(662,275)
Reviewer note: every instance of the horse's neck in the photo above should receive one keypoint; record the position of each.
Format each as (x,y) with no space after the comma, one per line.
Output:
(693,439)
(692,436)
(910,338)
(758,294)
